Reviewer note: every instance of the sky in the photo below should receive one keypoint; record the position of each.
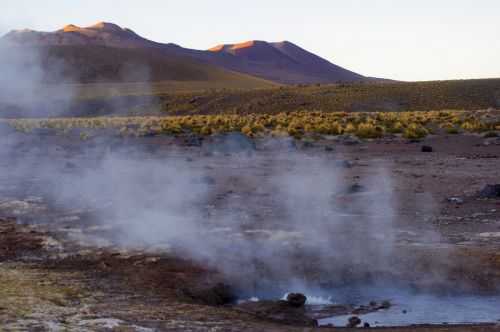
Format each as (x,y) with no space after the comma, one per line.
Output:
(410,40)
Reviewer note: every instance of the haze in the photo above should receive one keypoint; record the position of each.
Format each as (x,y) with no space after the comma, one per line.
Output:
(404,40)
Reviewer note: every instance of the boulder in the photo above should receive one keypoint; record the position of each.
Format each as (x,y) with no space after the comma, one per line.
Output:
(193,140)
(343,164)
(490,191)
(217,295)
(456,200)
(427,148)
(355,188)
(296,300)
(354,321)
(385,305)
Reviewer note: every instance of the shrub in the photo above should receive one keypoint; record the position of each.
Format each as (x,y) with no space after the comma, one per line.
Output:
(415,131)
(396,128)
(368,130)
(350,128)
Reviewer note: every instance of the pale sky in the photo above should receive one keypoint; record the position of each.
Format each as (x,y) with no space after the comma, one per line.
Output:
(398,39)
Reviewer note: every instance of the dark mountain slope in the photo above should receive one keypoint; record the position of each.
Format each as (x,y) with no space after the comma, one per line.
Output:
(280,62)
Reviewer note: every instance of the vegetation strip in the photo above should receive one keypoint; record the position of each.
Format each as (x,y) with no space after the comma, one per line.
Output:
(412,125)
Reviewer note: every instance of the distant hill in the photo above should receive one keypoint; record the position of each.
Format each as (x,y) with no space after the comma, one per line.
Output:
(96,64)
(281,62)
(100,34)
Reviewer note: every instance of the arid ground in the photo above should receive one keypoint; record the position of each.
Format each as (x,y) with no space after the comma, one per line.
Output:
(365,213)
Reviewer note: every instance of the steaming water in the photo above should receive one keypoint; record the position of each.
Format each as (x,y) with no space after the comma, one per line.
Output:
(410,308)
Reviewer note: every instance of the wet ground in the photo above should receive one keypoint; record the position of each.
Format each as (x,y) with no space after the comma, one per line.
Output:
(161,233)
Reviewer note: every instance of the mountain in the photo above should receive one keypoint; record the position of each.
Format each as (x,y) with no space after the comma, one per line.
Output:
(282,62)
(100,34)
(106,52)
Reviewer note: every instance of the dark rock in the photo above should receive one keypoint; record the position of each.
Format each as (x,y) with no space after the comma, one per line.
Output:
(490,191)
(220,294)
(427,148)
(193,140)
(456,200)
(355,188)
(490,134)
(208,180)
(366,325)
(343,164)
(329,149)
(194,100)
(306,144)
(296,299)
(353,321)
(385,305)
(491,141)
(349,140)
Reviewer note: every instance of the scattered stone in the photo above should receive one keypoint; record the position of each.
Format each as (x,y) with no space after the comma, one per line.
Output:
(427,148)
(385,305)
(491,134)
(194,100)
(456,200)
(208,180)
(329,149)
(349,140)
(490,191)
(306,144)
(296,299)
(354,321)
(193,140)
(355,188)
(344,163)
(491,141)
